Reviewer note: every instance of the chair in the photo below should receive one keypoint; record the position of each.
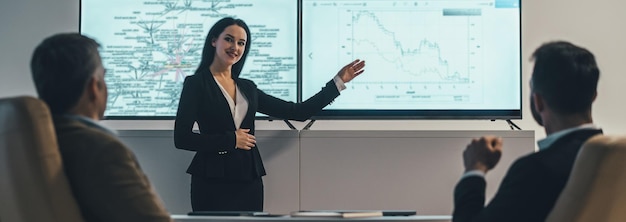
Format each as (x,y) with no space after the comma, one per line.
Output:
(33,185)
(596,189)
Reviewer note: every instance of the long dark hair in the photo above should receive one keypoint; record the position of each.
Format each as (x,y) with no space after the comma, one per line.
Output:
(208,53)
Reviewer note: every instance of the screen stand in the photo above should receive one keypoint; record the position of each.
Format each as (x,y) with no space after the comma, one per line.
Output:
(512,125)
(289,124)
(308,125)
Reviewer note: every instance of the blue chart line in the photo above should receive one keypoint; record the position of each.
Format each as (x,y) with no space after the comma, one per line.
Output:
(412,49)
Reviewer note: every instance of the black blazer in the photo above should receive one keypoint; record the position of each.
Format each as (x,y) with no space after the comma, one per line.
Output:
(203,102)
(529,189)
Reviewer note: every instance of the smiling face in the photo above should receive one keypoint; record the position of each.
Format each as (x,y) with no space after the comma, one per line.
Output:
(230,45)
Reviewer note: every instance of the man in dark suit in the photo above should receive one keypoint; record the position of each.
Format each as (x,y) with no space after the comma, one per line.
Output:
(563,86)
(104,175)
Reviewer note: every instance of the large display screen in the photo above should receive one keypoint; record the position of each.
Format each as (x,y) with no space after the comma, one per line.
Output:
(425,59)
(150,46)
(432,59)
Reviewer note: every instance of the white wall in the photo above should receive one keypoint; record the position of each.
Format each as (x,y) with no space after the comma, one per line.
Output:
(597,25)
(23,25)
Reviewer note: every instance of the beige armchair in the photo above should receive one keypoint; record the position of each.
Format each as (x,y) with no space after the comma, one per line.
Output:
(596,190)
(33,185)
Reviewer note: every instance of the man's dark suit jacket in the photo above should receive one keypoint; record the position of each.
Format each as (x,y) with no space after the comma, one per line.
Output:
(203,102)
(104,175)
(529,189)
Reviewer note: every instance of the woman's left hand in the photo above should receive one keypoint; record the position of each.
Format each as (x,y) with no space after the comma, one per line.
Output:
(352,70)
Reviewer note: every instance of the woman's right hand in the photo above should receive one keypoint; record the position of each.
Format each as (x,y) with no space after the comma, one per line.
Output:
(352,70)
(245,140)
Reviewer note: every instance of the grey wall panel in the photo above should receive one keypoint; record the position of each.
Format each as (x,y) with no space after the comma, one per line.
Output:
(338,169)
(165,166)
(393,169)
(281,156)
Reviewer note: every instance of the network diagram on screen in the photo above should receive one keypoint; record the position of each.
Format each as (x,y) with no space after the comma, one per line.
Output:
(430,58)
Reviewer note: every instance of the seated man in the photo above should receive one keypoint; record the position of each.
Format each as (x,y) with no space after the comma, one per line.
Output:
(103,173)
(563,87)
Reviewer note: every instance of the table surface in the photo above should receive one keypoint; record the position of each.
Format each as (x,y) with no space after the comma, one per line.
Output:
(416,218)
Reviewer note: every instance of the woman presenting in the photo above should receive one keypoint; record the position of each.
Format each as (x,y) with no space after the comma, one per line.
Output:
(227,168)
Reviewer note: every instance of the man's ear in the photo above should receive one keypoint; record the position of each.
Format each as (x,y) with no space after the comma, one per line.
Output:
(92,89)
(539,102)
(595,94)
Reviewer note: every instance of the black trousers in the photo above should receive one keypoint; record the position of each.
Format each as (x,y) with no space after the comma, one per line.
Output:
(219,194)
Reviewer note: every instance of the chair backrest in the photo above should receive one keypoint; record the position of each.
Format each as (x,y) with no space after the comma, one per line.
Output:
(33,185)
(596,189)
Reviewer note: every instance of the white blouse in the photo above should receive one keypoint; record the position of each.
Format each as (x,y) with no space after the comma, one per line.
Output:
(239,109)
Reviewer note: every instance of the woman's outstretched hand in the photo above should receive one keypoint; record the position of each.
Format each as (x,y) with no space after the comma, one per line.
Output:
(348,72)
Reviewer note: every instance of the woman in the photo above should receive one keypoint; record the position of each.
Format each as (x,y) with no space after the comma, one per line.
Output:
(227,168)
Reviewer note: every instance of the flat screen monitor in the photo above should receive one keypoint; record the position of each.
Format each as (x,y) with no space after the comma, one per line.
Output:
(149,46)
(453,59)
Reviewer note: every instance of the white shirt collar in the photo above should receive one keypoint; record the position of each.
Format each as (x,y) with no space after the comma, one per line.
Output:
(549,140)
(91,123)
